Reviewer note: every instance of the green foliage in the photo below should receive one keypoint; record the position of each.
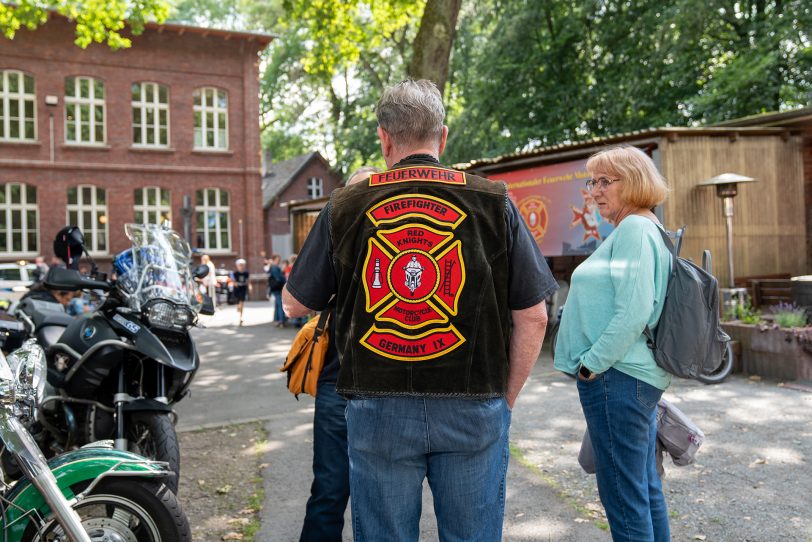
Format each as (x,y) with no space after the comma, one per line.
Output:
(789,315)
(99,21)
(523,73)
(744,312)
(540,72)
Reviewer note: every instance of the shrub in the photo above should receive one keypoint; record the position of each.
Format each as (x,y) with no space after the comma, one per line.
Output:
(789,315)
(743,312)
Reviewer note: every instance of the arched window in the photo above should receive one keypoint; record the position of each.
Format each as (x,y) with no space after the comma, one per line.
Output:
(19,218)
(213,220)
(85,112)
(87,208)
(152,205)
(150,103)
(18,111)
(211,118)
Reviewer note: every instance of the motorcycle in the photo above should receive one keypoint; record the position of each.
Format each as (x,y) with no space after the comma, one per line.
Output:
(91,494)
(115,373)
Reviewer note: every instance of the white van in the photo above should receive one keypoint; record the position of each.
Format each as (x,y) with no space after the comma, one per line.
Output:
(15,278)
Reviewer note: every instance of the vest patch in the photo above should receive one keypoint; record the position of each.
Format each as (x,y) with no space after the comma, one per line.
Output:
(419,173)
(416,205)
(412,277)
(396,345)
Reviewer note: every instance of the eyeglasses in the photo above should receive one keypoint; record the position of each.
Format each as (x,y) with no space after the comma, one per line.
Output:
(603,183)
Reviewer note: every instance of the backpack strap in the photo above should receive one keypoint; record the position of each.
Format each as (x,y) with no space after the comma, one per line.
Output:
(674,248)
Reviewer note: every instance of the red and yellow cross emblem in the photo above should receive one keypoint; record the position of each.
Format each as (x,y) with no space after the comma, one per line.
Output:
(413,275)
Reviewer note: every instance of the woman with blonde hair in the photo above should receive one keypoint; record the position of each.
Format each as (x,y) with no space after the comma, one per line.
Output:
(614,295)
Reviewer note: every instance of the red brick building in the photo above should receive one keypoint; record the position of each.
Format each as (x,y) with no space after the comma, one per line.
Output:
(302,178)
(99,138)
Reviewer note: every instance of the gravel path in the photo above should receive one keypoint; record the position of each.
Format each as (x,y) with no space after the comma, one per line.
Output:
(752,480)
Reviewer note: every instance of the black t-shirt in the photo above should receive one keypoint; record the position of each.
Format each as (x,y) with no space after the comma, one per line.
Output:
(313,280)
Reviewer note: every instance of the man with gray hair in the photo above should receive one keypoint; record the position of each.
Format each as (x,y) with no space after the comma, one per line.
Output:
(440,316)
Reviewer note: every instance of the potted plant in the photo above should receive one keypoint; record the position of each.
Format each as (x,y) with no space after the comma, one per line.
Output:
(777,345)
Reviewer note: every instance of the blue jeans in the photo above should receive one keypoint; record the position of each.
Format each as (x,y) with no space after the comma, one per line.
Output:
(459,445)
(278,312)
(324,519)
(620,414)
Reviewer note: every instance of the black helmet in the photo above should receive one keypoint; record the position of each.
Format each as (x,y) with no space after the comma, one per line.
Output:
(69,246)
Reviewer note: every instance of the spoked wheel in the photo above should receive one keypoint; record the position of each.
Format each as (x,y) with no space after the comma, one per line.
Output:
(724,370)
(152,435)
(124,511)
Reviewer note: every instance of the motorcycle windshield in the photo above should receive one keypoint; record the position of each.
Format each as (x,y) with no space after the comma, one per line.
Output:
(160,267)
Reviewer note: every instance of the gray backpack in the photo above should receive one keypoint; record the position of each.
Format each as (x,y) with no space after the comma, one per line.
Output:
(688,340)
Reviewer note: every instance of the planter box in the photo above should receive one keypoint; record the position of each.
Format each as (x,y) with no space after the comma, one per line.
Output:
(777,354)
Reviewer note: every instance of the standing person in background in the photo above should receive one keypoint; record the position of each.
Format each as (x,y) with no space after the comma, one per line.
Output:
(210,280)
(324,517)
(241,286)
(614,295)
(276,281)
(440,316)
(41,269)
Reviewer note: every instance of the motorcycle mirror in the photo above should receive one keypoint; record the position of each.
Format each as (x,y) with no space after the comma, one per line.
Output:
(69,245)
(200,271)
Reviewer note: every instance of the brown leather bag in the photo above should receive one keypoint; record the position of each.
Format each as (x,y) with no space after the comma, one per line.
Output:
(306,356)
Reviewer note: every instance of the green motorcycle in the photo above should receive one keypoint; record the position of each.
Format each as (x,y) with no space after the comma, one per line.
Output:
(93,494)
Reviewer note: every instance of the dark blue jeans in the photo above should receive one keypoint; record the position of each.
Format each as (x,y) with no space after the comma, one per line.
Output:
(459,445)
(620,414)
(324,519)
(279,313)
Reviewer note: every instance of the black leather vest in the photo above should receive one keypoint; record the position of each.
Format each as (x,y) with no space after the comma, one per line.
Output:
(420,253)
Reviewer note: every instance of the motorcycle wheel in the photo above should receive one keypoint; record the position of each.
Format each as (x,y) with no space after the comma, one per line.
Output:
(152,435)
(724,370)
(126,510)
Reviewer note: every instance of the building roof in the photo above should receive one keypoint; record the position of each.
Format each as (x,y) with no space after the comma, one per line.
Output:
(760,124)
(783,118)
(281,174)
(262,38)
(584,147)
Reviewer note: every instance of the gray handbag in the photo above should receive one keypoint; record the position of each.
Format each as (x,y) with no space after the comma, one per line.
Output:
(677,434)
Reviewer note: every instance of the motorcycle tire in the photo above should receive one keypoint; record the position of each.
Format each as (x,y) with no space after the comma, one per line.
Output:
(123,509)
(724,370)
(152,435)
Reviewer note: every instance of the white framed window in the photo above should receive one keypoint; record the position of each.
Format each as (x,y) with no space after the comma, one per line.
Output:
(152,205)
(19,218)
(315,187)
(213,219)
(211,118)
(87,209)
(85,111)
(18,111)
(150,102)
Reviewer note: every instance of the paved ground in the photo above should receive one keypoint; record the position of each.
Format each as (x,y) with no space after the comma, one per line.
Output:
(752,480)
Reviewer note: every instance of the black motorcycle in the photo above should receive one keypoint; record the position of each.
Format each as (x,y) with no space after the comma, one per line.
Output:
(115,373)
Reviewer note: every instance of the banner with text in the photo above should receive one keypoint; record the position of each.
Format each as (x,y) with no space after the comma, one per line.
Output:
(554,202)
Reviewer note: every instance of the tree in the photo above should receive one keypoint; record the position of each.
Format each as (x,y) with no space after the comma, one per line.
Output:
(100,20)
(431,47)
(585,68)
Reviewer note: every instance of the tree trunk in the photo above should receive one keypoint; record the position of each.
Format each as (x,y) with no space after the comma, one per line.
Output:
(432,45)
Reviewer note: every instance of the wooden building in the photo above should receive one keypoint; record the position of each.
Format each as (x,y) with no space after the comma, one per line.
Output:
(771,218)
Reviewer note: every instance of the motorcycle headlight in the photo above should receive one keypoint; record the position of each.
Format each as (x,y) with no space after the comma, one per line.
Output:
(168,315)
(28,366)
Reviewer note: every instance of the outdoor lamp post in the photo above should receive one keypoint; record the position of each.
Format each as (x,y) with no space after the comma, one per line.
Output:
(726,188)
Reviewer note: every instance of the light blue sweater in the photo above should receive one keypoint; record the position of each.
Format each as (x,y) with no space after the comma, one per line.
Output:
(613,295)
